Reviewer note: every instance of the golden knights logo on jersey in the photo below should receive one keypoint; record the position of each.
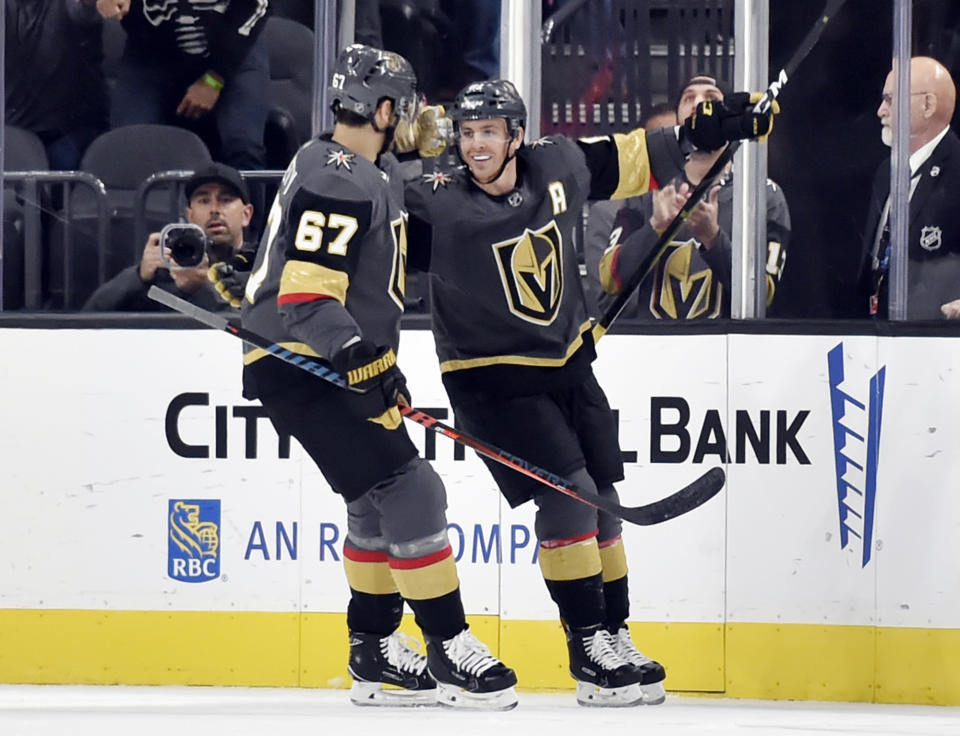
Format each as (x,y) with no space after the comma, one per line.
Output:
(531,270)
(679,292)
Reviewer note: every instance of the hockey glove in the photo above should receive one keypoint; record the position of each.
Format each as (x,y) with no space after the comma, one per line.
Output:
(428,134)
(229,278)
(715,123)
(374,370)
(757,126)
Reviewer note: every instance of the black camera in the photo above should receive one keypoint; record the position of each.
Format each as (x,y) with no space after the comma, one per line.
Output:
(185,244)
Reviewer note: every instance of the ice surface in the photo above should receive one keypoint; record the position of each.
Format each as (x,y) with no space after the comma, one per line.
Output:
(42,710)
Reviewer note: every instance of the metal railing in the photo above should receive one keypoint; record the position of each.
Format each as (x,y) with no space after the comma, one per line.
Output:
(33,241)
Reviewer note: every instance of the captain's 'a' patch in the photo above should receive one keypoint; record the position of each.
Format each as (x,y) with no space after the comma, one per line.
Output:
(531,270)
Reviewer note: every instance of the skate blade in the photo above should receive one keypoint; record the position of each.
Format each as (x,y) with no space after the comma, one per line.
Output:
(591,696)
(451,696)
(653,694)
(374,694)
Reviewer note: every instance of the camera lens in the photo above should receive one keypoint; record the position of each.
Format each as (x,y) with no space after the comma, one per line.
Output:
(187,249)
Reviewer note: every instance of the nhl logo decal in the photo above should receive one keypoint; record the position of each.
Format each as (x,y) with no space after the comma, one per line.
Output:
(931,237)
(515,199)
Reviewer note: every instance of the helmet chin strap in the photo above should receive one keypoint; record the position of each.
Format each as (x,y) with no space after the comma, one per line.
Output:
(506,160)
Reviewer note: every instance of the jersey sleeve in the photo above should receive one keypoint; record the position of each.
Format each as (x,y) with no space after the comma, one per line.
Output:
(630,164)
(631,238)
(232,37)
(600,236)
(778,237)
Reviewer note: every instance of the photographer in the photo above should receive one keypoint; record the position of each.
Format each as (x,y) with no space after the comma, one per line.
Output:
(178,258)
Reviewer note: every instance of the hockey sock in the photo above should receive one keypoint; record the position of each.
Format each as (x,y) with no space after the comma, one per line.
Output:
(375,605)
(374,614)
(431,586)
(613,560)
(571,570)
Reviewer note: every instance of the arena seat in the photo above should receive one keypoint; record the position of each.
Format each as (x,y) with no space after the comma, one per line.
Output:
(289,122)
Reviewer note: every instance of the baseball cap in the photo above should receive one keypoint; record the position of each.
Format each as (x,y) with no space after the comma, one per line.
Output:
(220,173)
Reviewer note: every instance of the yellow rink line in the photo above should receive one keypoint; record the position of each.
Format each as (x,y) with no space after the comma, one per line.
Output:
(775,661)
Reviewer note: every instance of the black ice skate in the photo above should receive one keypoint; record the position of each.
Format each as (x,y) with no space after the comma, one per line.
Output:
(651,671)
(468,675)
(604,678)
(392,660)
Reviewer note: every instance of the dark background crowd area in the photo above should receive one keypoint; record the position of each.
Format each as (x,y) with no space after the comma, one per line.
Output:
(603,71)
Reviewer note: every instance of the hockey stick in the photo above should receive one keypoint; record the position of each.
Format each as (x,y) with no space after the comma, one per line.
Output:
(700,191)
(686,499)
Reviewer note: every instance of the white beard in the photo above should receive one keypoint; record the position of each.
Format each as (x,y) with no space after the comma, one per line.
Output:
(886,132)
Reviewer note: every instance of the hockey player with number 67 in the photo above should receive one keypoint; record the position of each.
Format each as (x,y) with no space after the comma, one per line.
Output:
(328,283)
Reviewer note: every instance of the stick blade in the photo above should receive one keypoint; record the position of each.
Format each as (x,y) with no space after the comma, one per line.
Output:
(686,499)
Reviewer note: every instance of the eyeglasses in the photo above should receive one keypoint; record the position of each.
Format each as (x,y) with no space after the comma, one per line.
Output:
(888,98)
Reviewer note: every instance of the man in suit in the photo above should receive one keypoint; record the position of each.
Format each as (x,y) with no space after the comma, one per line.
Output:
(934,238)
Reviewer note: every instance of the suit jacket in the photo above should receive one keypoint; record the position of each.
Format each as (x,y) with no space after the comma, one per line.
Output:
(933,272)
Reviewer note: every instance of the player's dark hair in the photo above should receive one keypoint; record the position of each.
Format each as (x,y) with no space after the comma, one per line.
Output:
(350,118)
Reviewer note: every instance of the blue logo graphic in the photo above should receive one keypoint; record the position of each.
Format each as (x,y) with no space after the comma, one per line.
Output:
(193,547)
(857,411)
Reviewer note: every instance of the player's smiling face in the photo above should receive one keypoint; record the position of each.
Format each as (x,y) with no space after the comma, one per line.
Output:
(484,144)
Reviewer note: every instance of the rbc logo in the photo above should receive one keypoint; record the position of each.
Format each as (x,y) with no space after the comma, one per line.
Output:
(193,547)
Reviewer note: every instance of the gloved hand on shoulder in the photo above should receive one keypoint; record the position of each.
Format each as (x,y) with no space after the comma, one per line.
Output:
(428,134)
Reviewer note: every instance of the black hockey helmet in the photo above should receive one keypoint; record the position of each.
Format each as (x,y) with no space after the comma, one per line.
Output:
(496,98)
(364,76)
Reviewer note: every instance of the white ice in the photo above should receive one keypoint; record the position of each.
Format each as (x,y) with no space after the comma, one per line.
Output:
(48,710)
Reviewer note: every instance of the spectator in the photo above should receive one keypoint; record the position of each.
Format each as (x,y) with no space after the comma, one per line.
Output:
(197,64)
(218,201)
(692,280)
(933,244)
(55,86)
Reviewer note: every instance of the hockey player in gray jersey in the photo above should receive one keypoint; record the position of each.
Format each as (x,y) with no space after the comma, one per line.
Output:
(328,282)
(515,346)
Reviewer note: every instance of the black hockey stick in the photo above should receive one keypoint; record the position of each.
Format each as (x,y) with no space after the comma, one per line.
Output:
(700,191)
(686,499)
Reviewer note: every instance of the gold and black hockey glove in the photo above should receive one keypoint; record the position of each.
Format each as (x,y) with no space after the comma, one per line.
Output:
(428,135)
(374,371)
(229,278)
(714,124)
